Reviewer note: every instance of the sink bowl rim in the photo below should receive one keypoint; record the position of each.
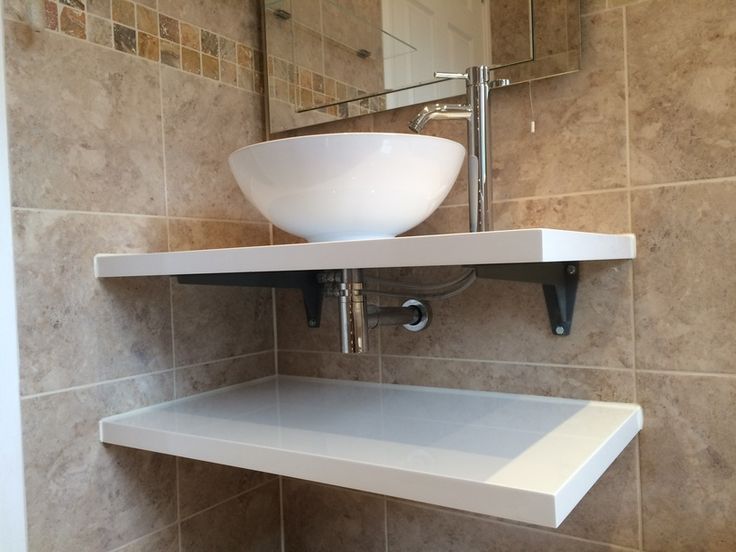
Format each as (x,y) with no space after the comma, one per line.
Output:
(332,134)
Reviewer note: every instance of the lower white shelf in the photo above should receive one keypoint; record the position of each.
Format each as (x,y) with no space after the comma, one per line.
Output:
(519,457)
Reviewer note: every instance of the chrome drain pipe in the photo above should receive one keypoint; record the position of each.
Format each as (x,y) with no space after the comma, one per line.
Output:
(356,316)
(353,311)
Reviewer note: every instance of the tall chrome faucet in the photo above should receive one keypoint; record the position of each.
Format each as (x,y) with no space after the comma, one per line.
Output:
(477,113)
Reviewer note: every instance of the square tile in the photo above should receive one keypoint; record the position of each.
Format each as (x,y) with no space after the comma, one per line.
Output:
(73,328)
(202,119)
(580,138)
(687,450)
(96,497)
(318,517)
(682,113)
(123,12)
(684,311)
(248,522)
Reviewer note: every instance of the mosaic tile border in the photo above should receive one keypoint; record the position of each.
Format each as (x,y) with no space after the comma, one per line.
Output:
(136,29)
(302,88)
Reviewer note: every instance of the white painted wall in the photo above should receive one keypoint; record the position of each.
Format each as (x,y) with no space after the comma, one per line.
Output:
(12,497)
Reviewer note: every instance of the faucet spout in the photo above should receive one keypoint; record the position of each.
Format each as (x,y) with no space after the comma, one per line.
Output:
(476,111)
(439,111)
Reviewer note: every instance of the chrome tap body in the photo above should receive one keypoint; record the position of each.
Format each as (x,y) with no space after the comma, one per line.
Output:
(477,114)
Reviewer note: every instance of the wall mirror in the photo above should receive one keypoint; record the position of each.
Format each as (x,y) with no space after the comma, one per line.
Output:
(334,59)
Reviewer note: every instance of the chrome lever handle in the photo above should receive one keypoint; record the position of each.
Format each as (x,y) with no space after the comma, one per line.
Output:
(442,75)
(499,83)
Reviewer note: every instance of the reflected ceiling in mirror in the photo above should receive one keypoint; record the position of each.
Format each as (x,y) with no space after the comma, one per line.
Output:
(334,59)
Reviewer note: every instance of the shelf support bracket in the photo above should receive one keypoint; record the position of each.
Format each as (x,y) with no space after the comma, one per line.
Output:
(305,280)
(559,283)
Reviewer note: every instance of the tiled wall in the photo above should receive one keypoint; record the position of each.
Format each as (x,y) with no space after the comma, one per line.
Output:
(643,139)
(119,130)
(113,151)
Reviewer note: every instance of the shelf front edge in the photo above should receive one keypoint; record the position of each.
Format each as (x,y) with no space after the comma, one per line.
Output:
(531,245)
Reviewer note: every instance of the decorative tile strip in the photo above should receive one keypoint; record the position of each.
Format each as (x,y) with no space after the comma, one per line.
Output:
(138,30)
(304,88)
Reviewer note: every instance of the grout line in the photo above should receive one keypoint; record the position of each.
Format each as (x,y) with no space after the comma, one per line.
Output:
(510,523)
(688,373)
(334,353)
(233,497)
(281,513)
(138,215)
(171,322)
(246,355)
(94,384)
(716,180)
(142,537)
(558,196)
(134,376)
(82,212)
(274,323)
(178,505)
(626,99)
(632,306)
(385,520)
(510,362)
(639,494)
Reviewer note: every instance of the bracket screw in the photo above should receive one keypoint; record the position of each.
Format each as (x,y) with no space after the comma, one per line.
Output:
(571,269)
(312,323)
(560,330)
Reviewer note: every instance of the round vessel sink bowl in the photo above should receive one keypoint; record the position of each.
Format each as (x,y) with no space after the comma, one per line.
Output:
(354,186)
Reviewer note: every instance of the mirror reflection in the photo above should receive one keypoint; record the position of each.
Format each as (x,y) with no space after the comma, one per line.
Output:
(334,59)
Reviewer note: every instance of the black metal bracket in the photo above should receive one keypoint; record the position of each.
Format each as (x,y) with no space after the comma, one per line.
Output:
(559,283)
(305,280)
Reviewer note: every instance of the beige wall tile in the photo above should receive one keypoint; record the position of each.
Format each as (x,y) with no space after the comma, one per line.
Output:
(333,365)
(589,6)
(507,321)
(685,313)
(204,122)
(606,212)
(188,234)
(203,485)
(236,19)
(99,7)
(318,517)
(213,375)
(682,80)
(247,523)
(95,142)
(219,322)
(412,528)
(554,381)
(75,329)
(163,541)
(580,139)
(99,31)
(84,495)
(687,467)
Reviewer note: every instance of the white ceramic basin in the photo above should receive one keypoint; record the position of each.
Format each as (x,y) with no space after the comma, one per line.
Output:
(336,187)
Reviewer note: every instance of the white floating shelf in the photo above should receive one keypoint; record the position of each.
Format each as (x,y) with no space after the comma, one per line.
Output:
(524,458)
(533,245)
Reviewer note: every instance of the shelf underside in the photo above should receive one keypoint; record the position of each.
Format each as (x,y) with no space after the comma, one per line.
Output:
(534,245)
(518,457)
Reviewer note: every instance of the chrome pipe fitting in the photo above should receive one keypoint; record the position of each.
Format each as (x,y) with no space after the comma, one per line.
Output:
(353,311)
